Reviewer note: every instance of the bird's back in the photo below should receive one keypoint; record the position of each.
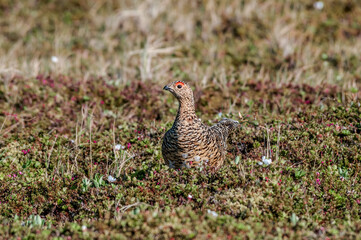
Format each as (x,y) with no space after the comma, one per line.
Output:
(187,145)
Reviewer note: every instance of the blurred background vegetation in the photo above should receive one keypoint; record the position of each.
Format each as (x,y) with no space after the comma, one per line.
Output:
(284,41)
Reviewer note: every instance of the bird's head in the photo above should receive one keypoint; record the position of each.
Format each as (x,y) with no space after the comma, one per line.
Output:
(180,90)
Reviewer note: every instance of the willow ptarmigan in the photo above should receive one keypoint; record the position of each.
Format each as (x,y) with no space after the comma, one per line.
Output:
(189,142)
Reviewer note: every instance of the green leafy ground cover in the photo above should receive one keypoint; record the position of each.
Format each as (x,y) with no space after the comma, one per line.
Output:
(288,71)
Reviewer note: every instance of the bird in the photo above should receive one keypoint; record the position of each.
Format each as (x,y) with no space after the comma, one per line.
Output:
(189,142)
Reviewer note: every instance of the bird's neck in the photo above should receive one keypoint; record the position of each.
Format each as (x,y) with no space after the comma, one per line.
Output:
(186,109)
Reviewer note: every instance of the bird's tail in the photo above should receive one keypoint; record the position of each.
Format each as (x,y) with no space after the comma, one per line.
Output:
(230,124)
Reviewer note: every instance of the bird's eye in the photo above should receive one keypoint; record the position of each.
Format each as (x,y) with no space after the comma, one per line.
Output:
(179,84)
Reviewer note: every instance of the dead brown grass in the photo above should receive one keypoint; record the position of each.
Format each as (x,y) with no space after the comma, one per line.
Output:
(286,42)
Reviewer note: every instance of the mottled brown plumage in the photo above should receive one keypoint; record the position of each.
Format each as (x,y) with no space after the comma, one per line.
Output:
(189,142)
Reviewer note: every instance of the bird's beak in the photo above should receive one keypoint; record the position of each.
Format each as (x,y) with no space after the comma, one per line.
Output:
(166,88)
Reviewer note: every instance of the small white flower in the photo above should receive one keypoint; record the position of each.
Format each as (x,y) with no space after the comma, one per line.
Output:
(318,5)
(83,228)
(184,155)
(213,213)
(197,158)
(266,161)
(111,178)
(220,114)
(54,59)
(190,196)
(72,141)
(118,147)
